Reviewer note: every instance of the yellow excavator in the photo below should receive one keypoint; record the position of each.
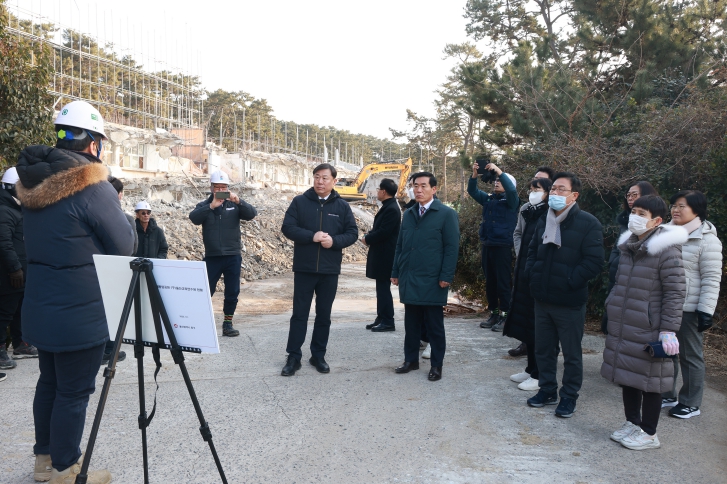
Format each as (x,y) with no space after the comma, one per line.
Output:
(353,189)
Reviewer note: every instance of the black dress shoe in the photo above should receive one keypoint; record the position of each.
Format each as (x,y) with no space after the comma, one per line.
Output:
(407,367)
(521,350)
(320,364)
(435,373)
(383,327)
(375,323)
(292,365)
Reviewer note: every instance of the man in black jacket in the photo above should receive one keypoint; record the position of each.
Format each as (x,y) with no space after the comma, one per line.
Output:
(565,252)
(13,267)
(220,217)
(321,224)
(152,242)
(382,246)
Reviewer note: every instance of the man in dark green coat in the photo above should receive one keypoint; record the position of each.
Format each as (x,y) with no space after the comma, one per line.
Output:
(424,265)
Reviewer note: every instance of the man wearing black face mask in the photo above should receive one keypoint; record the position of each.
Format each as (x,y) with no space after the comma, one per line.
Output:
(13,266)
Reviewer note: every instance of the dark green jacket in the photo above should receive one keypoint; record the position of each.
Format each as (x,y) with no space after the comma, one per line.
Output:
(426,253)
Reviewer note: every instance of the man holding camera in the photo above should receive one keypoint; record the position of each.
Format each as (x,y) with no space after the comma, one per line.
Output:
(220,217)
(499,218)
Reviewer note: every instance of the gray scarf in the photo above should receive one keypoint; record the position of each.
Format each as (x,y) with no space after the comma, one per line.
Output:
(552,225)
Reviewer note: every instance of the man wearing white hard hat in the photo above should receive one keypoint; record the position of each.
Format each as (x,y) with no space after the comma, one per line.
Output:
(152,242)
(220,217)
(70,213)
(13,266)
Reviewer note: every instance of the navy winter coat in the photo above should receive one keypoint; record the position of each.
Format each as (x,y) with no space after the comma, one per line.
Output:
(12,246)
(560,275)
(70,213)
(307,215)
(426,253)
(499,213)
(382,240)
(221,226)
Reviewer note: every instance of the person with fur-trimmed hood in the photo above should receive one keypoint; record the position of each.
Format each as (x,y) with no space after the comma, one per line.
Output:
(70,213)
(645,306)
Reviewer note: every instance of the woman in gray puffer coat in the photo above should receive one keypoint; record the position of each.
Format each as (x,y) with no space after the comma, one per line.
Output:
(703,266)
(644,306)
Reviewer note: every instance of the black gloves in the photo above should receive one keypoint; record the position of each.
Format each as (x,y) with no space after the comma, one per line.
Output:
(604,323)
(704,321)
(16,280)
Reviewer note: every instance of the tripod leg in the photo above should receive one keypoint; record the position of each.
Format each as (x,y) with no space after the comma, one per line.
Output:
(139,355)
(108,373)
(157,306)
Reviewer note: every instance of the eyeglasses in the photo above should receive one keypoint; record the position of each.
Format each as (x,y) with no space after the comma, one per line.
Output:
(560,190)
(678,208)
(632,195)
(144,212)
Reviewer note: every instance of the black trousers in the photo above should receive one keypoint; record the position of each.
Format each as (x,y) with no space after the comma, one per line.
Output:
(642,408)
(497,267)
(324,286)
(384,301)
(559,324)
(229,266)
(532,367)
(59,409)
(10,305)
(432,318)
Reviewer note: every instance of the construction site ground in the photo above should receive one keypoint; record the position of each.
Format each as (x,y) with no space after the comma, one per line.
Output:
(362,423)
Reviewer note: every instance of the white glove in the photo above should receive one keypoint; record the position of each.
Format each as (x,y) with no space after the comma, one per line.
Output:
(669,342)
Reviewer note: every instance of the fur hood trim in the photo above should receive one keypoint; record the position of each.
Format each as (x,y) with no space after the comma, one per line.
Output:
(61,185)
(667,236)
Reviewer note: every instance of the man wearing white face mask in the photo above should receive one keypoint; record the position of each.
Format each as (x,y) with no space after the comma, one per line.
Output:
(564,254)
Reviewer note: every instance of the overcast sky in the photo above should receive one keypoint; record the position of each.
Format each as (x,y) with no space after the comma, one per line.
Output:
(353,65)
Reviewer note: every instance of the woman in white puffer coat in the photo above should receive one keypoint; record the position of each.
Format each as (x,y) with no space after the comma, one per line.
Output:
(702,256)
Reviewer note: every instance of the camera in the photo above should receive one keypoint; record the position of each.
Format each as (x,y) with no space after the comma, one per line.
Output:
(487,176)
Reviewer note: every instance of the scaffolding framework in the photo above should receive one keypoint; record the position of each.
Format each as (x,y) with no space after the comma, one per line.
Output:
(113,79)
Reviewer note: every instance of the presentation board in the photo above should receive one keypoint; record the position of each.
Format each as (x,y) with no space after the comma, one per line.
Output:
(184,288)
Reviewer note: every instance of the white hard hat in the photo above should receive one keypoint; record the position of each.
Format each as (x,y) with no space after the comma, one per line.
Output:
(80,114)
(220,176)
(142,206)
(11,176)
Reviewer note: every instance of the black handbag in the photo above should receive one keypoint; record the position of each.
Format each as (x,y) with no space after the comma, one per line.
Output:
(656,350)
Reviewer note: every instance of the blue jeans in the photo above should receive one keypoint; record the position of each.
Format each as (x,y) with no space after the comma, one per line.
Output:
(229,266)
(59,409)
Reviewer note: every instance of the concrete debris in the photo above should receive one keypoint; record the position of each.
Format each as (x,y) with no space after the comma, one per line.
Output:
(265,250)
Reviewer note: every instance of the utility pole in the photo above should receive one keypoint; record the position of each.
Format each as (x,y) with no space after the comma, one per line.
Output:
(234,117)
(243,128)
(221,111)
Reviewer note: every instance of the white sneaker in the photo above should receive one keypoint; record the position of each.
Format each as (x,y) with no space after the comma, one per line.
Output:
(427,352)
(640,440)
(529,385)
(519,377)
(625,430)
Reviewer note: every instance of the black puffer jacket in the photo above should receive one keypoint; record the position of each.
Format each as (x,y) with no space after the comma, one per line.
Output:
(520,323)
(68,216)
(382,240)
(307,215)
(622,220)
(560,275)
(152,243)
(221,226)
(12,245)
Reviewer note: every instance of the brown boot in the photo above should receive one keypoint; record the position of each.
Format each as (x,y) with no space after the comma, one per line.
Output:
(68,476)
(43,468)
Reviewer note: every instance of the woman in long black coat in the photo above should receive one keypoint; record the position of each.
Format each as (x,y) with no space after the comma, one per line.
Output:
(520,323)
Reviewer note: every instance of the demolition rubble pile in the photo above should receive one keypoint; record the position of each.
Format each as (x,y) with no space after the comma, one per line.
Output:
(265,250)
